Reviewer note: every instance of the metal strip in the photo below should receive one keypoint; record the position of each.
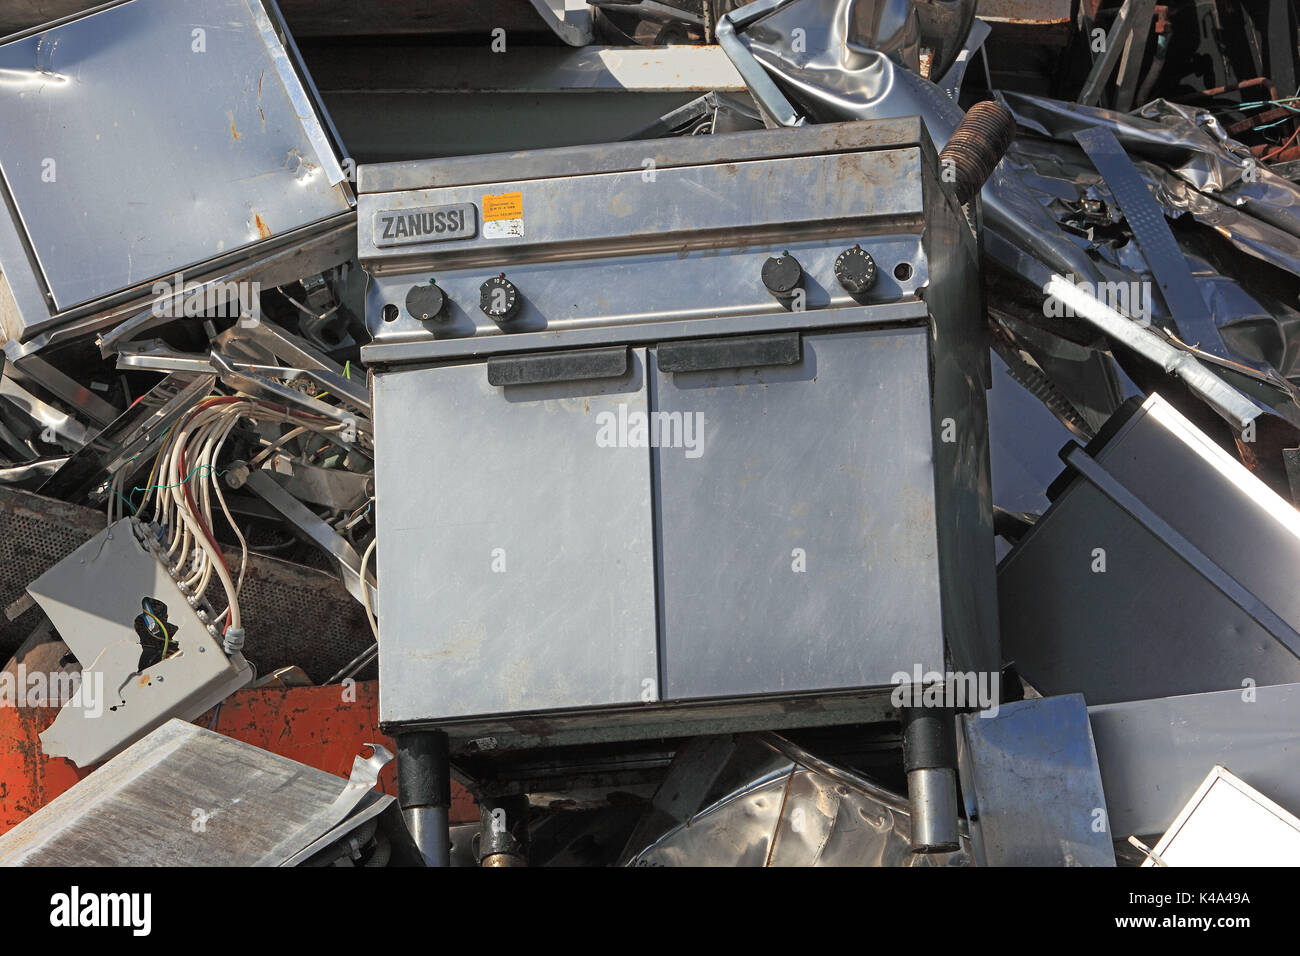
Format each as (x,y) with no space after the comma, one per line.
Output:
(1172,274)
(905,312)
(302,103)
(762,87)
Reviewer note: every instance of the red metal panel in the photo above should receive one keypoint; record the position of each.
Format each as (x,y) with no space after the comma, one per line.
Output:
(323,727)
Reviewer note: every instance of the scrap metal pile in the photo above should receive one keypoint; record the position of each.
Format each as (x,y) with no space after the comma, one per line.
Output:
(790,432)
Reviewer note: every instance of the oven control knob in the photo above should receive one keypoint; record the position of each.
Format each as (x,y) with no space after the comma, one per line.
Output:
(855,270)
(782,275)
(499,299)
(427,303)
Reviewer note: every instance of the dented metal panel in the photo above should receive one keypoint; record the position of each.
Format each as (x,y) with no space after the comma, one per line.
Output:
(186,129)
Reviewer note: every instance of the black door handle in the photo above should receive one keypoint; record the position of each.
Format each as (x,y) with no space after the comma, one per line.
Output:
(558,366)
(699,355)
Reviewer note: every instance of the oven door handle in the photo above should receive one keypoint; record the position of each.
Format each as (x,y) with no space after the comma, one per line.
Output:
(746,351)
(573,365)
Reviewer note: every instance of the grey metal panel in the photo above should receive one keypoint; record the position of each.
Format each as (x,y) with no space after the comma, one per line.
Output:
(1032,788)
(92,598)
(856,496)
(1167,628)
(628,157)
(468,475)
(126,86)
(631,291)
(654,209)
(959,372)
(1155,753)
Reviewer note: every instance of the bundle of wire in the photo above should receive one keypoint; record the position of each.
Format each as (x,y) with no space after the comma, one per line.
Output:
(184,482)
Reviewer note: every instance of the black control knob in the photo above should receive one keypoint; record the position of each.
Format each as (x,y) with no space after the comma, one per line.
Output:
(782,275)
(426,302)
(855,270)
(499,299)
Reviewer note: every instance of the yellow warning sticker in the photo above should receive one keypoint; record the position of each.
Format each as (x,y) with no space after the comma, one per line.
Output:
(504,206)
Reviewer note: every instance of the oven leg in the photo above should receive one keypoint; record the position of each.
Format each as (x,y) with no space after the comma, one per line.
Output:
(424,792)
(930,759)
(503,841)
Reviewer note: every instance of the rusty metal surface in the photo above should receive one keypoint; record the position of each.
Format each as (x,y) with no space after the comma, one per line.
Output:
(1025,12)
(322,727)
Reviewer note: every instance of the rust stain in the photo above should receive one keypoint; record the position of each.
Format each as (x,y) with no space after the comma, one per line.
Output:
(233,132)
(263,229)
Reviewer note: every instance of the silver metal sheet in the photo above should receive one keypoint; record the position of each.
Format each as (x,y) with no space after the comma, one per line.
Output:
(185,796)
(1154,753)
(761,801)
(204,140)
(1032,788)
(1203,606)
(792,561)
(522,549)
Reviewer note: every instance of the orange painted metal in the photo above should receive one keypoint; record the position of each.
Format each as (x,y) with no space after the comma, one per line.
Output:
(323,727)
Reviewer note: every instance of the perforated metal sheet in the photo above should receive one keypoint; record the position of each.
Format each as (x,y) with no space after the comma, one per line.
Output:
(293,614)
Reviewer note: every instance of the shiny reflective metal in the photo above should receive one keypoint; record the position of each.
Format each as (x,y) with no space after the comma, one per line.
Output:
(315,529)
(1182,552)
(761,801)
(1031,785)
(209,150)
(428,828)
(559,570)
(932,793)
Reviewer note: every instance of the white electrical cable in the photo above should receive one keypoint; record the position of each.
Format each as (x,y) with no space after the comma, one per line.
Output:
(365,588)
(187,520)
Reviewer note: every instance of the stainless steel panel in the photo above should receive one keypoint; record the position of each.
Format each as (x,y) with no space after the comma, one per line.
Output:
(1154,753)
(1153,624)
(525,548)
(827,465)
(204,142)
(566,299)
(662,209)
(1032,788)
(629,157)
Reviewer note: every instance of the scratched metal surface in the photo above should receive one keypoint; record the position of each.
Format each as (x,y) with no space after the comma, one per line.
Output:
(182,796)
(198,143)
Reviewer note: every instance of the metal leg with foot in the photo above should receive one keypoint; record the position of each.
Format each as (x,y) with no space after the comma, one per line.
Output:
(424,792)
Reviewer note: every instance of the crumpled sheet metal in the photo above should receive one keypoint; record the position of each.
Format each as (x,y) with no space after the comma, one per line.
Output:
(828,78)
(784,807)
(1190,144)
